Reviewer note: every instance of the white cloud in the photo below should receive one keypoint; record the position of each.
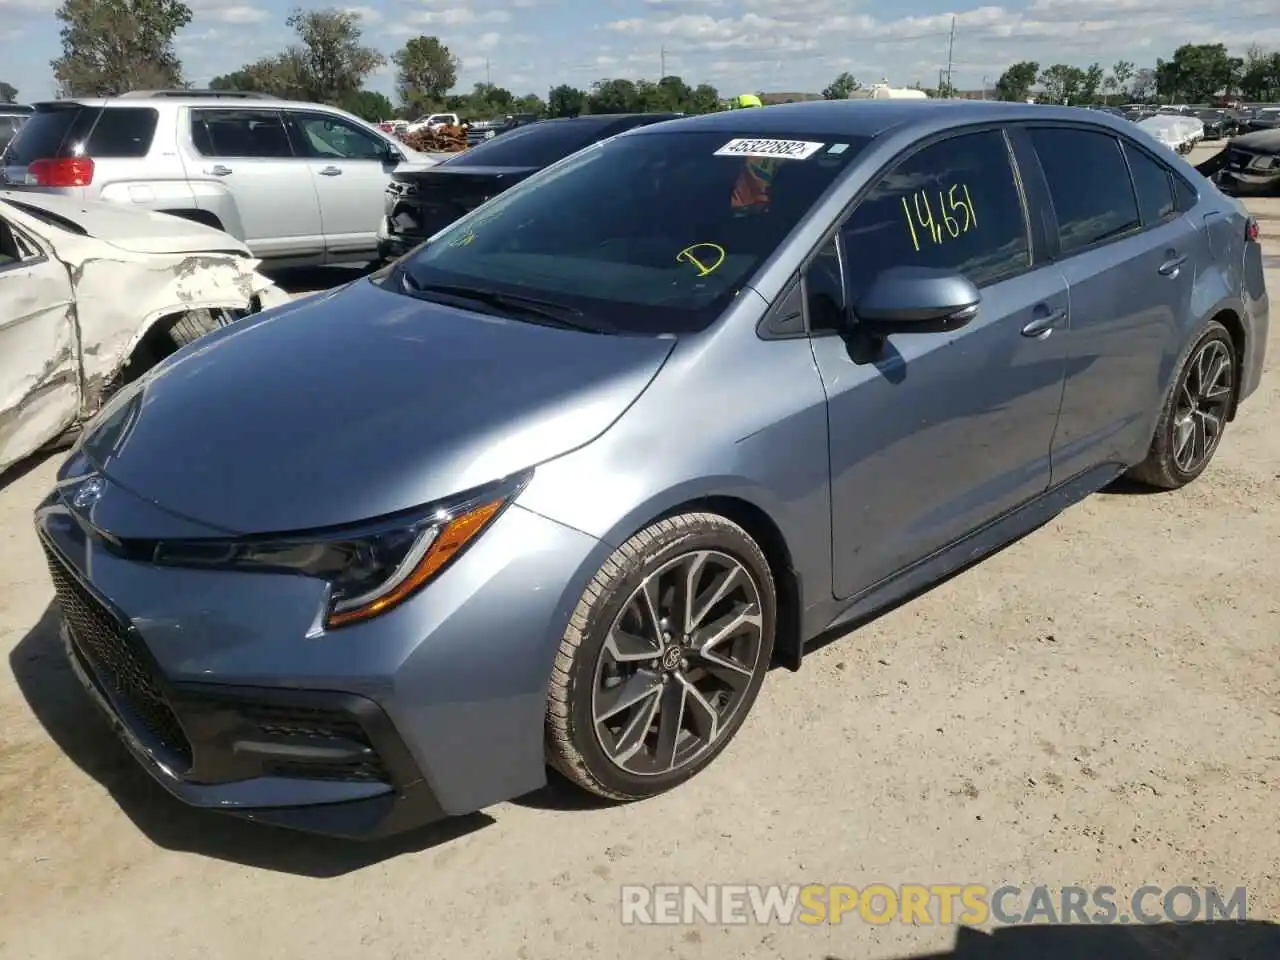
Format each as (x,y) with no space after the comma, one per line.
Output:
(367,15)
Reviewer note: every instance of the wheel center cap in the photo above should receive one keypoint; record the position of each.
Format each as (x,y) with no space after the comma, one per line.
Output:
(671,658)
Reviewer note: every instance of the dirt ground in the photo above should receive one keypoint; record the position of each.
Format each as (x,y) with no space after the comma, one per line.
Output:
(1097,704)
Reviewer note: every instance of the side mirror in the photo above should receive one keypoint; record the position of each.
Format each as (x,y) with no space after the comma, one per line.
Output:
(916,300)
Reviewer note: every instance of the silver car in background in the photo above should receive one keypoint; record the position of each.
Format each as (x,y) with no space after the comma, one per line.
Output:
(301,183)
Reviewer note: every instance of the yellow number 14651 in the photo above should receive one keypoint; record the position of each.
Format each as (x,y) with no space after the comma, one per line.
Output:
(951,205)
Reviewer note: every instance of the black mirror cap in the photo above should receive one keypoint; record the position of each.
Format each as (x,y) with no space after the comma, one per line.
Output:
(912,299)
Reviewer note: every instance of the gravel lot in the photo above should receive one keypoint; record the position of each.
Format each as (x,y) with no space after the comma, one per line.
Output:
(1097,704)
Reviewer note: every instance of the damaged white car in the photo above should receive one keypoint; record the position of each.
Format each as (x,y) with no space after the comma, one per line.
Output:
(92,295)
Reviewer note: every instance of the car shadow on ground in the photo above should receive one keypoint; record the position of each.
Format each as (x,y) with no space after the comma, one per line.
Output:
(1220,940)
(40,667)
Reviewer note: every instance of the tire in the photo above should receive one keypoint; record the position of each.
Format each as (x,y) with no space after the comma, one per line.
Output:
(1195,405)
(726,674)
(194,324)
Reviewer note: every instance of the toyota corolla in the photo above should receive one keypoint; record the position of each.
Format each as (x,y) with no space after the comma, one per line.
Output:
(555,488)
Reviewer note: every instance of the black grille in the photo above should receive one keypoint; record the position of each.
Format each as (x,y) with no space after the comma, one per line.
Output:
(1238,159)
(110,652)
(314,726)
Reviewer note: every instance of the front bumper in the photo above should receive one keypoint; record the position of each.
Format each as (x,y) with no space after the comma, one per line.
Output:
(225,696)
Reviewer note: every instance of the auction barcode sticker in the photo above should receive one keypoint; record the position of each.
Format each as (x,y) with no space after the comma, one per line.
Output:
(783,149)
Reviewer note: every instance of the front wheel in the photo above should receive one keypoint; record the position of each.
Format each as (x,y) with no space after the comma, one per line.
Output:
(1194,415)
(662,659)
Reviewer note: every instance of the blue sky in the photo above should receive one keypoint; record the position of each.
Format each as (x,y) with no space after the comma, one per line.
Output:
(530,45)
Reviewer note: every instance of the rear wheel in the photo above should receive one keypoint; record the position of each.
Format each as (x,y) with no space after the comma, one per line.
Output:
(1194,415)
(663,658)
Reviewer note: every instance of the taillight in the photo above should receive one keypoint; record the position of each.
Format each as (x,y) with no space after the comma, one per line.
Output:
(1251,230)
(66,172)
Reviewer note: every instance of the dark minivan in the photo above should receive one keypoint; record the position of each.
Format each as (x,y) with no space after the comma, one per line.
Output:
(424,202)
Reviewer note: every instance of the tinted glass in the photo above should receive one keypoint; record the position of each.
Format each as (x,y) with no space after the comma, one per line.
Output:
(1153,185)
(50,134)
(122,132)
(257,134)
(331,138)
(1089,185)
(644,234)
(953,206)
(535,145)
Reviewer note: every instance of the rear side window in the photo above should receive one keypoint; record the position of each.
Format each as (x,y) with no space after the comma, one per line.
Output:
(954,206)
(74,131)
(1088,184)
(1153,184)
(250,134)
(122,132)
(536,145)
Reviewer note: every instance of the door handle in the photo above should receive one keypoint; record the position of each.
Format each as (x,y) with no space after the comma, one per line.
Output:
(1041,327)
(218,170)
(1170,267)
(330,171)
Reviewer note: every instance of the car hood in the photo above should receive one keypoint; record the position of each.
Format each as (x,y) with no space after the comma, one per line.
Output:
(131,228)
(1263,141)
(359,403)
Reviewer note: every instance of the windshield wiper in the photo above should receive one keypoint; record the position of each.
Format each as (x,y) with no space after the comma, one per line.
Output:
(510,304)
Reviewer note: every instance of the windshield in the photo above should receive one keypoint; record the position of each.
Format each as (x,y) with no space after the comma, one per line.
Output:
(643,234)
(535,145)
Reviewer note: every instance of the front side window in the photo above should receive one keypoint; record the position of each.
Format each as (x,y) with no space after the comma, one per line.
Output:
(1089,185)
(647,233)
(955,205)
(251,134)
(324,137)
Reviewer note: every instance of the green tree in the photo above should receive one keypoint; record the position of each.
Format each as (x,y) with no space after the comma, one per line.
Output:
(704,98)
(530,103)
(613,96)
(113,46)
(281,75)
(8,93)
(840,87)
(368,105)
(1260,74)
(1091,84)
(1016,82)
(1143,85)
(426,71)
(565,101)
(1061,83)
(333,61)
(1198,71)
(1121,75)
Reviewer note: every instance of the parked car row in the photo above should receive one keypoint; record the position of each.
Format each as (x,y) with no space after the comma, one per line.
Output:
(557,487)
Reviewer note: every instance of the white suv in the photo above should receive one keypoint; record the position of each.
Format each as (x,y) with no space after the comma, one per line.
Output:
(299,183)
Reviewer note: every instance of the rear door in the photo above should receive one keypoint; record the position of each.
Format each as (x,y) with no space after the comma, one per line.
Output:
(39,353)
(248,153)
(1130,259)
(350,168)
(942,432)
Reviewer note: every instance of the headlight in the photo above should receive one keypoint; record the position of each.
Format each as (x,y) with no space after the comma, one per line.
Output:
(370,568)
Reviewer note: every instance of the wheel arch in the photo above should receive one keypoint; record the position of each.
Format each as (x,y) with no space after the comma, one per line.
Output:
(1231,319)
(206,217)
(761,524)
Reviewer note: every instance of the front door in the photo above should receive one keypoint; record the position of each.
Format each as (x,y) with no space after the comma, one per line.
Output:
(350,170)
(248,154)
(941,432)
(39,352)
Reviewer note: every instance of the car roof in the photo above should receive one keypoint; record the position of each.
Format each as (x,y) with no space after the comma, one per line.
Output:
(228,102)
(870,118)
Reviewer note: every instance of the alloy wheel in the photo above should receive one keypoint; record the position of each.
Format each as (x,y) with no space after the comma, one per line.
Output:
(1203,401)
(677,663)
